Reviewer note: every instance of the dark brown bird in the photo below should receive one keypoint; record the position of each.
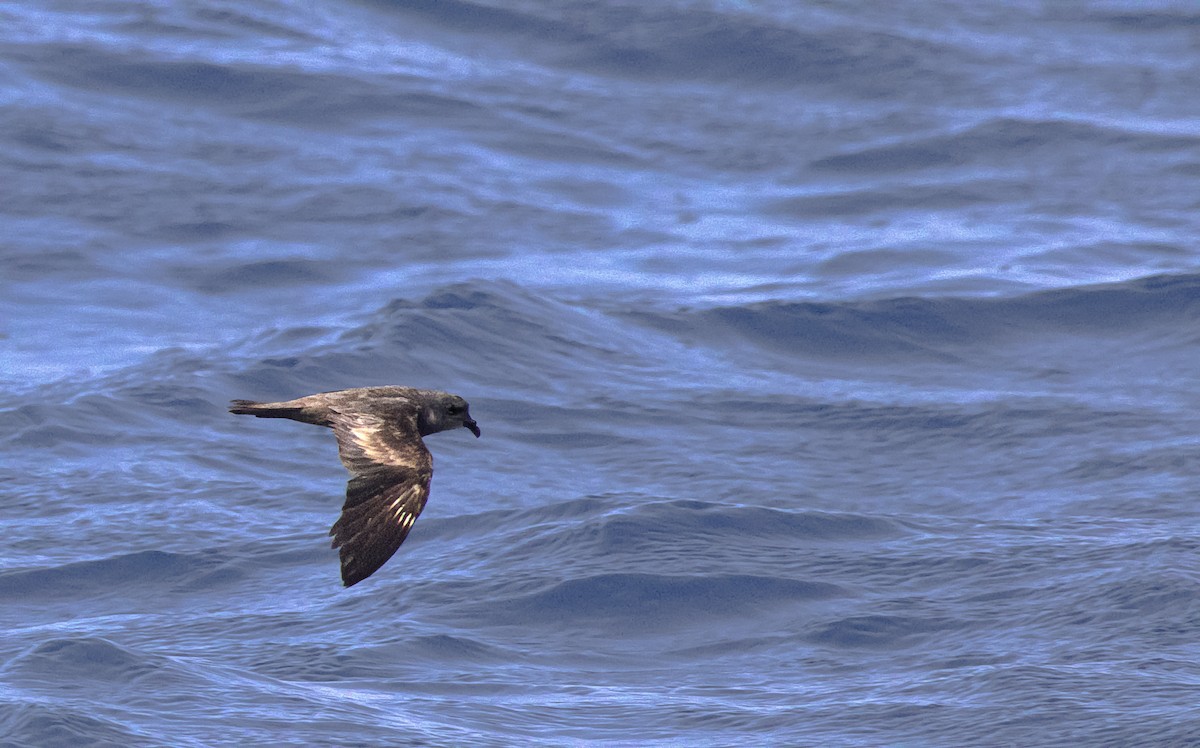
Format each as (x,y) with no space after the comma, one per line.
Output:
(379,432)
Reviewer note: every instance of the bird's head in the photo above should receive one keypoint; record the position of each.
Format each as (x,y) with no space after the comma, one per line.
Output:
(443,411)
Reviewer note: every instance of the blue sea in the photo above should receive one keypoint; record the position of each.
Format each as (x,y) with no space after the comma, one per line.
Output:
(836,364)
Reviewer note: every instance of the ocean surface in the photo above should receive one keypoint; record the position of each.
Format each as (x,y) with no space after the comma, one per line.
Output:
(836,364)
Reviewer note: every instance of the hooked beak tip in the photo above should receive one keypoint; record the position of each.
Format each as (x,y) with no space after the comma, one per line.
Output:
(473,427)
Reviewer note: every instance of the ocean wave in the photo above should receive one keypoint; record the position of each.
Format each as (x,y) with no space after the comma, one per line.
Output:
(947,328)
(58,723)
(115,576)
(298,97)
(889,632)
(659,42)
(1001,138)
(644,598)
(668,536)
(76,661)
(522,340)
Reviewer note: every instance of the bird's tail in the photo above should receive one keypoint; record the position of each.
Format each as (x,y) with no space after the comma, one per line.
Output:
(297,410)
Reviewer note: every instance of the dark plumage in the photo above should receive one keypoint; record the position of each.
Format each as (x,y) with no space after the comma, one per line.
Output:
(379,432)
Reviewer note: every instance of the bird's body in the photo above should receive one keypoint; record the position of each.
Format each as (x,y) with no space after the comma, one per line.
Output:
(379,432)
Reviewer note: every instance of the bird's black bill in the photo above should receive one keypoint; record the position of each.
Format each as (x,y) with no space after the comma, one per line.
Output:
(473,426)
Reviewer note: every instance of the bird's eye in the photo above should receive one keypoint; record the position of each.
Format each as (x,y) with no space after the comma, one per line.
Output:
(454,410)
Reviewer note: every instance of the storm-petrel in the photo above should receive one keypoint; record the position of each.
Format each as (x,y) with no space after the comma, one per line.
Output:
(379,432)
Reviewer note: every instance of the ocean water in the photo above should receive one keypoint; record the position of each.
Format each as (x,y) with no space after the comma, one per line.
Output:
(836,365)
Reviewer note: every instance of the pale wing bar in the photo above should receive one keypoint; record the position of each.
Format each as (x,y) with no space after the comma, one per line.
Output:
(389,485)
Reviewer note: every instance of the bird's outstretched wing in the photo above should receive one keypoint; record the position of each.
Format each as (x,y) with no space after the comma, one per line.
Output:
(390,470)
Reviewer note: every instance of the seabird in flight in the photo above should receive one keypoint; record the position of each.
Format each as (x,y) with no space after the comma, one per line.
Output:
(379,432)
